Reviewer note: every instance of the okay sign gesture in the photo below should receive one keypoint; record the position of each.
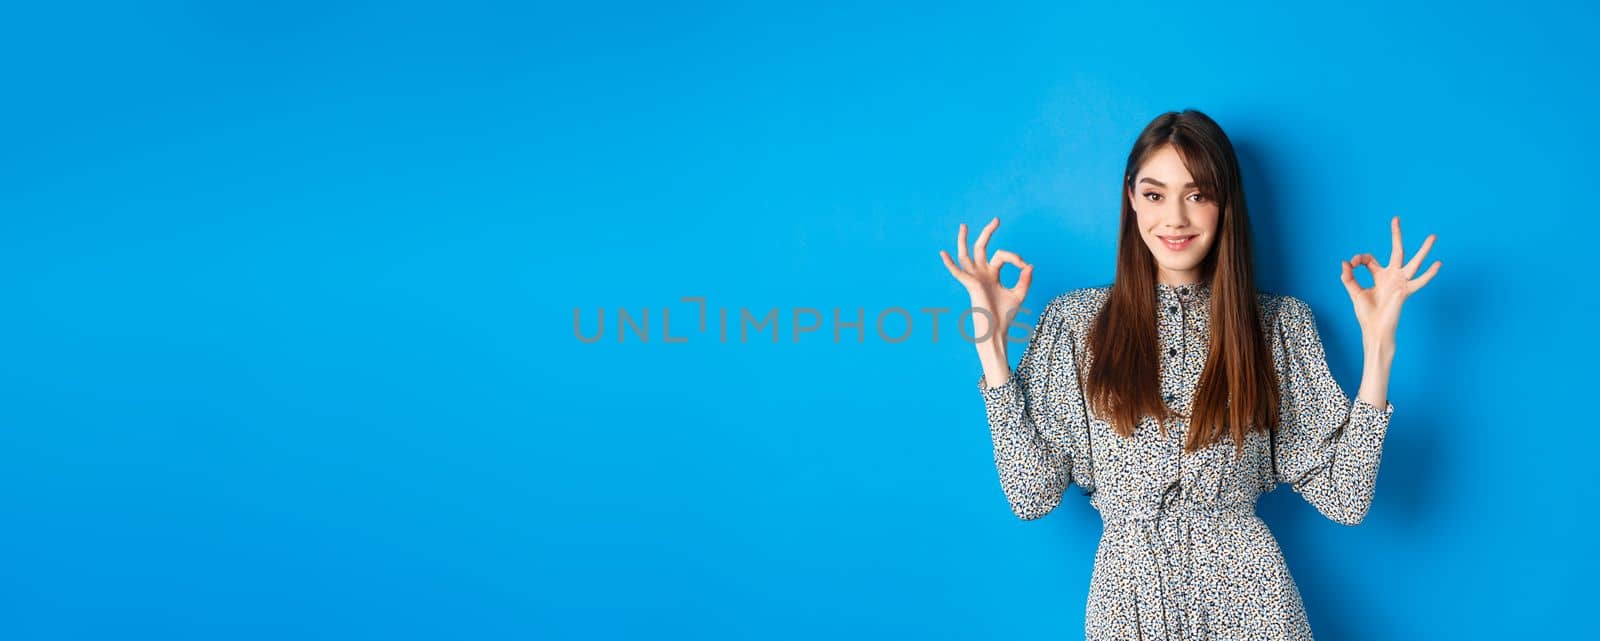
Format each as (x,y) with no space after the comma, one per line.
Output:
(1378,307)
(980,274)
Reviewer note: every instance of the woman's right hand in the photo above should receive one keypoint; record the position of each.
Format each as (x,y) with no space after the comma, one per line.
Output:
(980,274)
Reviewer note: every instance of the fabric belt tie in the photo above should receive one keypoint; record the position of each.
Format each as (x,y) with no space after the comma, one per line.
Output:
(1163,580)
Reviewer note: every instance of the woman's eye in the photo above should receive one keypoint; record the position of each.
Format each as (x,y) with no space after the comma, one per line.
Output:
(1153,196)
(1197,197)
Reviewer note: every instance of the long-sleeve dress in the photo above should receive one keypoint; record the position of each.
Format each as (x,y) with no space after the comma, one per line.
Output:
(1183,555)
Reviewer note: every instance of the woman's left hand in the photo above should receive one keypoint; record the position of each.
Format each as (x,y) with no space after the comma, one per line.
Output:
(1378,307)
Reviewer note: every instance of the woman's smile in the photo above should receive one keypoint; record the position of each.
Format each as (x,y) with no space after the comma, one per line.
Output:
(1178,243)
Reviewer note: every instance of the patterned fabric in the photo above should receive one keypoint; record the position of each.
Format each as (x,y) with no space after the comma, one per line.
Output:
(1183,555)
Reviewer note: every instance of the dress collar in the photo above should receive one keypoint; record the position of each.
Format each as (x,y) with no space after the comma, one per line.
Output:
(1198,290)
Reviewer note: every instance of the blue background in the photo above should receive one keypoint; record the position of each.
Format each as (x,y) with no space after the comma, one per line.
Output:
(289,296)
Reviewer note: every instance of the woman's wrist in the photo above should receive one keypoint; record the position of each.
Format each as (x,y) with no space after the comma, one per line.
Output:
(996,365)
(1378,350)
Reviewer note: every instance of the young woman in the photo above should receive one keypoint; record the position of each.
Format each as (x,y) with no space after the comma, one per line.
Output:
(1179,393)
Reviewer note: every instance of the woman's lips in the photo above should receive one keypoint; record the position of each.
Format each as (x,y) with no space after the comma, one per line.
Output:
(1177,243)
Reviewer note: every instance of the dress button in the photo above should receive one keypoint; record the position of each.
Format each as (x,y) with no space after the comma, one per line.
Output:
(1169,398)
(1172,351)
(1173,309)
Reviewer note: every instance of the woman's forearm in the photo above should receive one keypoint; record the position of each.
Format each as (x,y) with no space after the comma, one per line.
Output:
(1377,357)
(996,367)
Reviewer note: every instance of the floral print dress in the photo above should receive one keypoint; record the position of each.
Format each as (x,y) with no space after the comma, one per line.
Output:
(1183,555)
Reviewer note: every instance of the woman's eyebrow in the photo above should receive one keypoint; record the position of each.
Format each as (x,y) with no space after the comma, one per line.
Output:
(1158,183)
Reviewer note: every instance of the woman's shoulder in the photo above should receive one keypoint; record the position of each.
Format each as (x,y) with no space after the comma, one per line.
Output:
(1076,307)
(1278,309)
(1094,295)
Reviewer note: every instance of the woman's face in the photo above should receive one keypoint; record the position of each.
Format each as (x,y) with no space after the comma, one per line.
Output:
(1177,221)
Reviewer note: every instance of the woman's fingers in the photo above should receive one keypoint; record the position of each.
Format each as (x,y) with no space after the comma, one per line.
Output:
(955,270)
(1416,261)
(1398,255)
(1348,276)
(976,263)
(1372,265)
(1021,289)
(979,250)
(1002,256)
(1425,277)
(961,248)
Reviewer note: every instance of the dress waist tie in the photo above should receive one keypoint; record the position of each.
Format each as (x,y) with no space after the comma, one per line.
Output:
(1165,609)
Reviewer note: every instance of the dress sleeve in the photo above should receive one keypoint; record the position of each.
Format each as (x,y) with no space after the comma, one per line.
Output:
(1327,446)
(1031,417)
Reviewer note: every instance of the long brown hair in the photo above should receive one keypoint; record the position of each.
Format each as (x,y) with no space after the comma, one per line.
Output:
(1238,389)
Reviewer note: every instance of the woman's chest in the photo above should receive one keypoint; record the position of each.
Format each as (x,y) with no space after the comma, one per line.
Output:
(1152,461)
